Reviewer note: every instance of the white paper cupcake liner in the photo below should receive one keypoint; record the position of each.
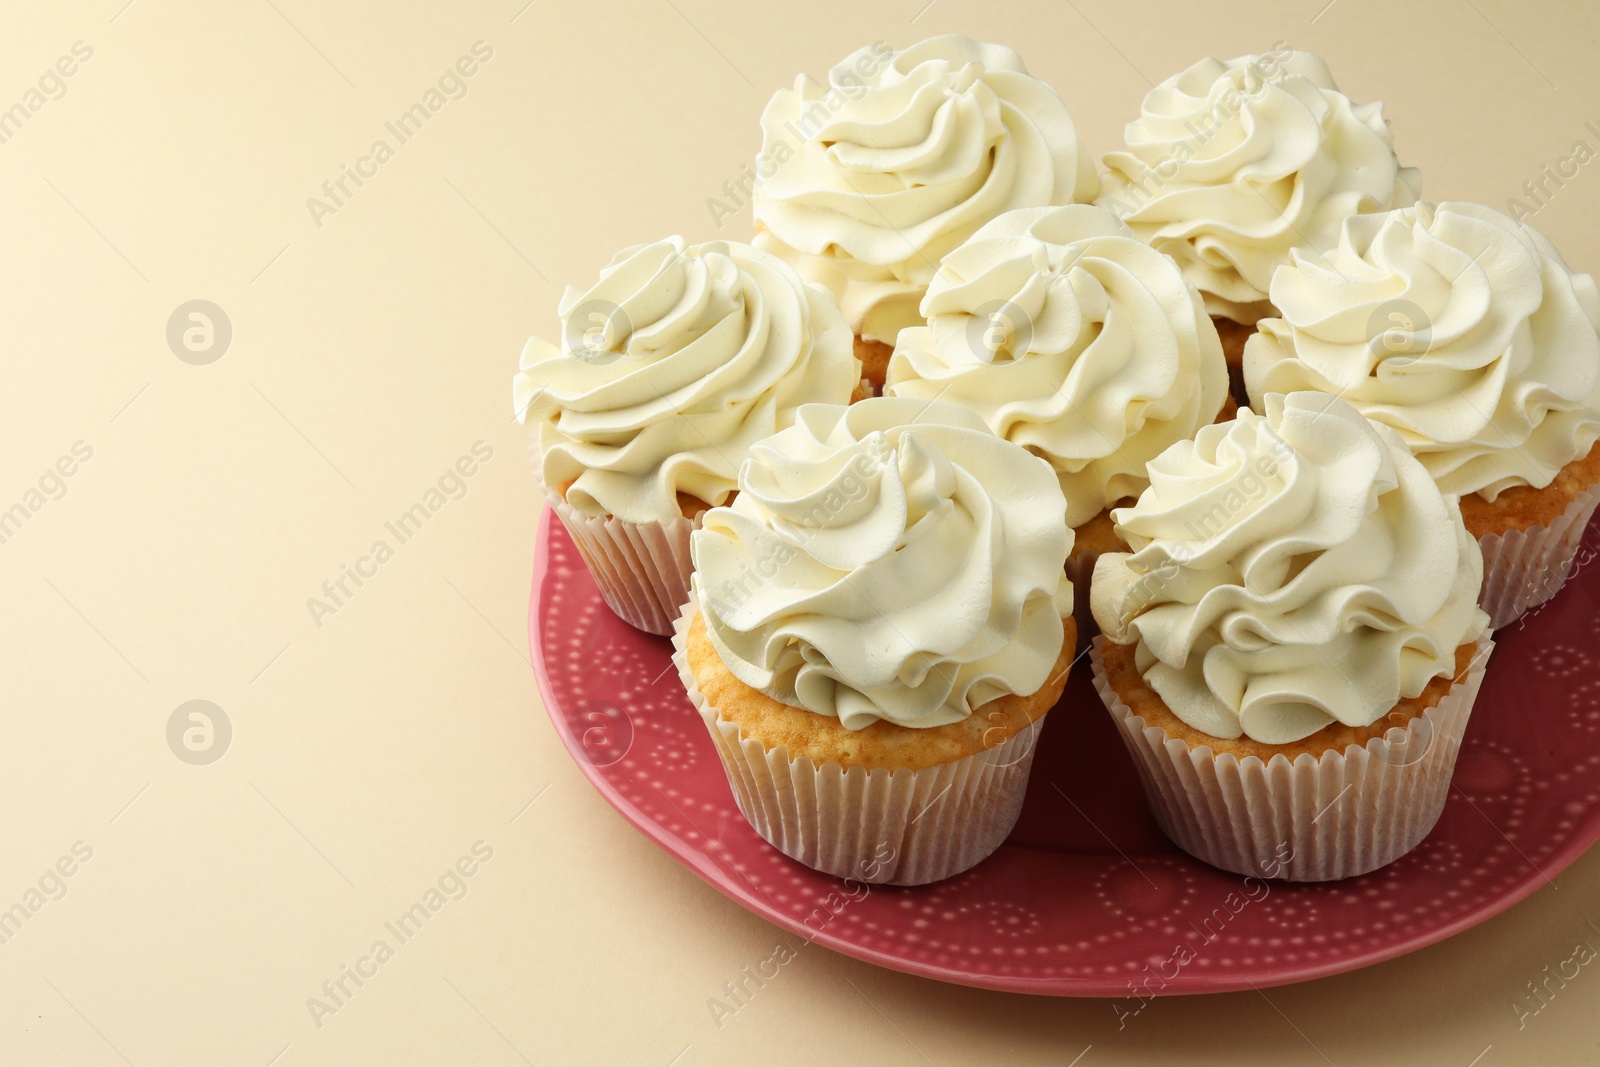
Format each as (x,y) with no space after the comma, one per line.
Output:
(1310,820)
(642,570)
(899,827)
(1523,569)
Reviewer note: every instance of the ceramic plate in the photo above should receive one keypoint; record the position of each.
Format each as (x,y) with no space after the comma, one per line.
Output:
(1087,898)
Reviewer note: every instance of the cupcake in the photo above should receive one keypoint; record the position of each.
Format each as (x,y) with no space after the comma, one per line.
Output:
(864,183)
(1292,649)
(1465,331)
(672,365)
(1231,164)
(879,624)
(1080,343)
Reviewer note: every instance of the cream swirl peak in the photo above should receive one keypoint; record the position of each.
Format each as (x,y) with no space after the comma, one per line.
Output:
(1457,326)
(1072,338)
(1230,164)
(870,179)
(888,560)
(675,362)
(1290,570)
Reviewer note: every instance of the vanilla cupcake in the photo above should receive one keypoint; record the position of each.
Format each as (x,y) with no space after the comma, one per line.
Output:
(879,624)
(1293,647)
(866,182)
(672,365)
(1080,343)
(1231,164)
(1466,332)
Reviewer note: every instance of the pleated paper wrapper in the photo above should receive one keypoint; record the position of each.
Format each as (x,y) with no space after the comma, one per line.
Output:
(1312,820)
(899,827)
(642,569)
(1523,569)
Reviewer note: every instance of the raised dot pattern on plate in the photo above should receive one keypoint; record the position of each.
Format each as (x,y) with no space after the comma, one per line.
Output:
(1087,898)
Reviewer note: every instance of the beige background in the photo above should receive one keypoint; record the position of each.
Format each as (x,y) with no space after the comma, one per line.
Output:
(372,351)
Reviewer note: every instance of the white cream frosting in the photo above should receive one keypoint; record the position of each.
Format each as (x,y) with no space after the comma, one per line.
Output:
(1290,570)
(1230,164)
(888,560)
(1072,338)
(1458,326)
(898,159)
(674,363)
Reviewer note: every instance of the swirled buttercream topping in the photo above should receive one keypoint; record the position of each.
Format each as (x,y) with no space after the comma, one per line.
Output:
(891,560)
(865,182)
(1231,164)
(673,365)
(1459,327)
(1072,338)
(1290,570)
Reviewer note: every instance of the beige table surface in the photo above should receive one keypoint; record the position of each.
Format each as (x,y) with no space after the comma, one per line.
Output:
(372,347)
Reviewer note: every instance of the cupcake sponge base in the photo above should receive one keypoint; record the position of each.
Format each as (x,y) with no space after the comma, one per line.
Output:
(895,826)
